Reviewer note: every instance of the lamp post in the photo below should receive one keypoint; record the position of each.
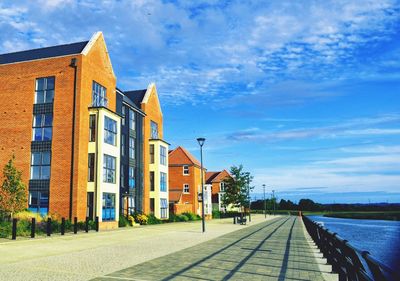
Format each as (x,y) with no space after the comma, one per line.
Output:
(273,199)
(265,203)
(248,195)
(201,143)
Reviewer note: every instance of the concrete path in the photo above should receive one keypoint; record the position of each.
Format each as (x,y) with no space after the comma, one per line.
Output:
(86,256)
(272,250)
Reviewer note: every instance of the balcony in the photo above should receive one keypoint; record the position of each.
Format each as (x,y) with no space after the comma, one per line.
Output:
(99,101)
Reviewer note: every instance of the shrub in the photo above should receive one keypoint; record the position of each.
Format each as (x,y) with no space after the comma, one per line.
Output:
(123,221)
(191,216)
(28,215)
(141,219)
(5,229)
(183,218)
(131,220)
(153,220)
(173,218)
(216,214)
(23,228)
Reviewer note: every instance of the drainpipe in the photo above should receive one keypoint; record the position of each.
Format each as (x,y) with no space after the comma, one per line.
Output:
(96,165)
(71,188)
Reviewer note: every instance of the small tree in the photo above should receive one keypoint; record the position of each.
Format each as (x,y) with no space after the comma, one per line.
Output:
(237,188)
(12,190)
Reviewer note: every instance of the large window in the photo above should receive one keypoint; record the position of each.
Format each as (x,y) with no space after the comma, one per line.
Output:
(185,188)
(151,153)
(42,127)
(92,127)
(151,205)
(99,95)
(39,202)
(108,206)
(163,181)
(91,165)
(154,130)
(186,169)
(131,148)
(110,131)
(122,172)
(132,120)
(131,177)
(163,155)
(40,165)
(123,145)
(151,181)
(44,90)
(109,169)
(222,186)
(123,115)
(163,208)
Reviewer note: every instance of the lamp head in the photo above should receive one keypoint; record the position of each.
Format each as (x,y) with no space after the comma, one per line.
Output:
(201,141)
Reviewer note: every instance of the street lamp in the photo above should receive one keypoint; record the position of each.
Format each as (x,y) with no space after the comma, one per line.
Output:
(265,203)
(273,199)
(201,143)
(248,195)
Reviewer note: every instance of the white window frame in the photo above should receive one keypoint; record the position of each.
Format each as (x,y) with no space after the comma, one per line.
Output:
(184,169)
(186,188)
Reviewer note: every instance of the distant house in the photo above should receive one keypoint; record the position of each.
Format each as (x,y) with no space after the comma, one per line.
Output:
(215,180)
(185,183)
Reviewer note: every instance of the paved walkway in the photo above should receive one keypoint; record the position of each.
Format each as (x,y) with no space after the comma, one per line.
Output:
(272,250)
(86,256)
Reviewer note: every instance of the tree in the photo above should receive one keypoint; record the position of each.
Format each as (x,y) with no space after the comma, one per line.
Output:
(237,188)
(12,190)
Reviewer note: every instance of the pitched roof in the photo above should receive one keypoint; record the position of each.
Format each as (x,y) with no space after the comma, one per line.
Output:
(42,53)
(216,176)
(180,156)
(136,96)
(175,195)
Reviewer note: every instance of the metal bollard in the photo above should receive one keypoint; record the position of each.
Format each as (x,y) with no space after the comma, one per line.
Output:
(75,225)
(62,226)
(97,224)
(87,225)
(48,227)
(234,219)
(33,226)
(14,229)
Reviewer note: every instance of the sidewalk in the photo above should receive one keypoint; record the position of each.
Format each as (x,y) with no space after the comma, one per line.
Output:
(86,256)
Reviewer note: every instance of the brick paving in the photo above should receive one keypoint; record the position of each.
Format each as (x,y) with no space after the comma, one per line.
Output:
(272,250)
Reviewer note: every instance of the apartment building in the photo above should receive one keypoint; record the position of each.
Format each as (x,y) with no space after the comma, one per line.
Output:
(155,152)
(215,180)
(185,183)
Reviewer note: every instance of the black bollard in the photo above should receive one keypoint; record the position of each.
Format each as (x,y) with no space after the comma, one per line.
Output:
(62,226)
(87,225)
(234,219)
(33,226)
(97,224)
(14,229)
(75,225)
(48,227)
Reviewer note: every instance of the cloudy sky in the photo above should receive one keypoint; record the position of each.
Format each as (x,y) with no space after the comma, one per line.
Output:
(304,94)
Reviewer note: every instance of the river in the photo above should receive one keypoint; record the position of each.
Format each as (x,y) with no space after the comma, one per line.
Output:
(381,238)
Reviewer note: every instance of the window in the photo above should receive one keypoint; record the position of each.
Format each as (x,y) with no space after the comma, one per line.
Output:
(131,148)
(163,181)
(122,145)
(92,127)
(185,188)
(99,95)
(154,130)
(39,202)
(110,131)
(151,181)
(108,207)
(109,169)
(163,155)
(222,186)
(151,205)
(40,165)
(42,127)
(91,165)
(131,177)
(185,169)
(44,92)
(132,119)
(163,208)
(122,183)
(151,153)
(123,115)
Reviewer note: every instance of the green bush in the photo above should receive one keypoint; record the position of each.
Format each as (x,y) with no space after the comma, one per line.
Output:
(5,229)
(23,228)
(153,220)
(216,214)
(173,218)
(123,221)
(183,218)
(191,216)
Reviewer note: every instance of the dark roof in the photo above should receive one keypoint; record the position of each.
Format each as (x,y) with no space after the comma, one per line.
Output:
(136,96)
(48,52)
(210,176)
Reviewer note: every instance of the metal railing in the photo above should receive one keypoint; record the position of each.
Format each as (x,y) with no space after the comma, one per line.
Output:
(346,260)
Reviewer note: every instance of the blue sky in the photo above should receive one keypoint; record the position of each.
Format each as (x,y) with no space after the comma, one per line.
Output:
(304,94)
